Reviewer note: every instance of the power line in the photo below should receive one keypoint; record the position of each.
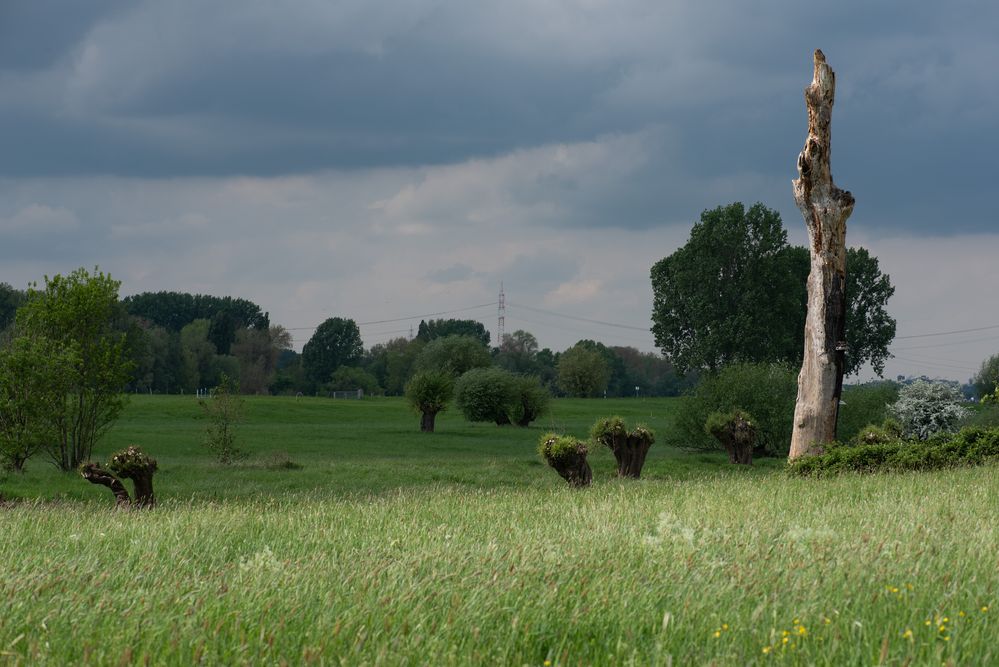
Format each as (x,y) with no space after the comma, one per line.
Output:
(403,319)
(948,333)
(581,319)
(957,342)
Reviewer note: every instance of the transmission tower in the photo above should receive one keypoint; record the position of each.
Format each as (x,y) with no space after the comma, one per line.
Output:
(500,316)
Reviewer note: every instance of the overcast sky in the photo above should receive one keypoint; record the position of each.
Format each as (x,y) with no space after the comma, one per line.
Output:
(378,160)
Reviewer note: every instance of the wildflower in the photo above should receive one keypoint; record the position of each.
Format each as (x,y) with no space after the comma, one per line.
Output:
(942,628)
(827,620)
(927,622)
(908,587)
(985,609)
(717,634)
(961,614)
(724,626)
(766,649)
(802,631)
(946,639)
(785,633)
(946,620)
(907,634)
(548,663)
(784,641)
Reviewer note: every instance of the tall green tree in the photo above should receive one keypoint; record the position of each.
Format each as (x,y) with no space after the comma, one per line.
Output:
(736,292)
(583,371)
(78,312)
(10,300)
(36,376)
(454,354)
(986,380)
(433,329)
(336,342)
(517,352)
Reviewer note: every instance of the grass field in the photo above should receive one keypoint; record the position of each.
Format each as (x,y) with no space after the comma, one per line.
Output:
(388,546)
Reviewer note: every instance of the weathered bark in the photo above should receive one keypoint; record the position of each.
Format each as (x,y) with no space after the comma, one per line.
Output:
(630,450)
(825,209)
(574,469)
(95,474)
(143,483)
(427,422)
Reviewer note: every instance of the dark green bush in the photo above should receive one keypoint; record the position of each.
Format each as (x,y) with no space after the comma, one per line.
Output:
(971,446)
(767,391)
(497,395)
(862,405)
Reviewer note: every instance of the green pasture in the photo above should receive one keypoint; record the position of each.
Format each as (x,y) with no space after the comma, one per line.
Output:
(391,547)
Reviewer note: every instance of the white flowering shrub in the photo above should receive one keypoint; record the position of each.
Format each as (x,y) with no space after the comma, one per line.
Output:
(925,408)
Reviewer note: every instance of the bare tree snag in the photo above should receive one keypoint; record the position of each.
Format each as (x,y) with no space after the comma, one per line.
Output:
(825,209)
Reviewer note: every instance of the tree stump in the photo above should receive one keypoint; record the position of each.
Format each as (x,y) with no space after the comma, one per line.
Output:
(130,463)
(629,449)
(825,209)
(737,434)
(568,457)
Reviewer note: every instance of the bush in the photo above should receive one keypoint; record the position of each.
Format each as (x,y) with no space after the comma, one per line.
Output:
(349,378)
(767,391)
(224,410)
(497,395)
(971,446)
(863,405)
(926,408)
(872,434)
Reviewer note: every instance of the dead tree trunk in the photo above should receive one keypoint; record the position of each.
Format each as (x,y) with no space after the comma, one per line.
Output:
(95,474)
(825,209)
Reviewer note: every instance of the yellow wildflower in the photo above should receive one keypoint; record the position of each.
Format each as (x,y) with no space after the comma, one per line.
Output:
(785,640)
(717,634)
(984,609)
(766,649)
(724,626)
(802,631)
(907,634)
(961,614)
(548,663)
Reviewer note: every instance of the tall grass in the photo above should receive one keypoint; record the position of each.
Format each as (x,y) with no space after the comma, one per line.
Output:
(725,569)
(391,547)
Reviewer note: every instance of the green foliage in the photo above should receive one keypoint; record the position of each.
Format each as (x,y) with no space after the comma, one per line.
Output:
(224,409)
(430,391)
(604,431)
(874,434)
(864,404)
(434,329)
(554,448)
(718,422)
(518,352)
(78,313)
(531,400)
(737,292)
(349,378)
(583,371)
(36,376)
(392,363)
(767,391)
(453,354)
(487,395)
(925,408)
(10,300)
(987,378)
(174,310)
(131,462)
(336,343)
(970,446)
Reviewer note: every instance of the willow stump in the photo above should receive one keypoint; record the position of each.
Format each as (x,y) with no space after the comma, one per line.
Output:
(568,458)
(736,433)
(629,448)
(825,209)
(130,463)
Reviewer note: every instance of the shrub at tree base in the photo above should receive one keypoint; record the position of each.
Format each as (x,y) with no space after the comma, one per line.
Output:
(567,456)
(736,432)
(971,446)
(629,449)
(766,391)
(130,463)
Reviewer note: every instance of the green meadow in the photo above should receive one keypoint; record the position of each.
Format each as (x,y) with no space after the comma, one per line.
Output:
(347,537)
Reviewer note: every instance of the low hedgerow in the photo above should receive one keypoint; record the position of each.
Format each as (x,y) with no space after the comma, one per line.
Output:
(971,446)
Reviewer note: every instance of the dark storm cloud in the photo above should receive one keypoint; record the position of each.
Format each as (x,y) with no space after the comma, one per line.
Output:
(155,90)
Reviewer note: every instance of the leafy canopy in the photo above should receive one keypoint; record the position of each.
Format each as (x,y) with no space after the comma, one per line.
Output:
(737,292)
